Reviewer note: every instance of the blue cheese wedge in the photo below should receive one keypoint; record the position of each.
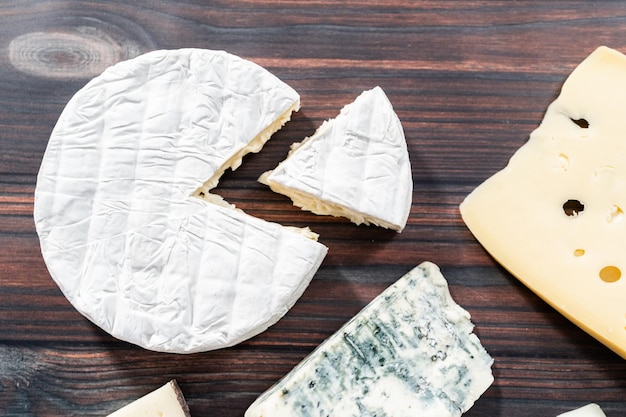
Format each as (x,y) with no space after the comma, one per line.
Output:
(128,226)
(166,401)
(354,166)
(410,352)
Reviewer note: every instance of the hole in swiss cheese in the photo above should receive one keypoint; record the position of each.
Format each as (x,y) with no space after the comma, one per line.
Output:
(573,208)
(610,274)
(582,123)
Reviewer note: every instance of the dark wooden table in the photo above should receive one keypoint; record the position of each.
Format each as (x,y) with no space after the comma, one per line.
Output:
(469,81)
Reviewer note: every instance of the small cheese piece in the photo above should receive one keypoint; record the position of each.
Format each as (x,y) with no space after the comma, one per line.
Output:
(128,227)
(410,352)
(355,166)
(167,401)
(554,216)
(590,410)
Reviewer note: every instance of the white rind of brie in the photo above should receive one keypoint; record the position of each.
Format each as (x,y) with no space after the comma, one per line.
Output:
(121,228)
(410,352)
(355,166)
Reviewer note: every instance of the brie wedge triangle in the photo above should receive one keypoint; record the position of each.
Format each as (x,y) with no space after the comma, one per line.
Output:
(121,227)
(554,216)
(355,166)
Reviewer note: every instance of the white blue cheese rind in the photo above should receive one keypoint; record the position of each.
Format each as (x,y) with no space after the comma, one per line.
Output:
(410,352)
(355,166)
(122,230)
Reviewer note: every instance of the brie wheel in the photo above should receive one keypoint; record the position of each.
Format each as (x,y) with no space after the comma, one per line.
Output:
(355,166)
(121,227)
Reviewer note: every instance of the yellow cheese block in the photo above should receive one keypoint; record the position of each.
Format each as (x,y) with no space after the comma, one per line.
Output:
(554,216)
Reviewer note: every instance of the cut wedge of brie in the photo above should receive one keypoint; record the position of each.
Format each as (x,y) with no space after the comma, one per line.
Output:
(121,231)
(355,166)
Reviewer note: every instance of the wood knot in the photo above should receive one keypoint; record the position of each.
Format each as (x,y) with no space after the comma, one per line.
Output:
(81,52)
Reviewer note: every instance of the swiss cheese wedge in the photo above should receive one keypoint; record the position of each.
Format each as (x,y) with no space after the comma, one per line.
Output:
(128,227)
(355,166)
(554,216)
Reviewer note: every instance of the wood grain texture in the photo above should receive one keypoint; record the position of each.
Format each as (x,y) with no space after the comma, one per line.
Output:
(469,80)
